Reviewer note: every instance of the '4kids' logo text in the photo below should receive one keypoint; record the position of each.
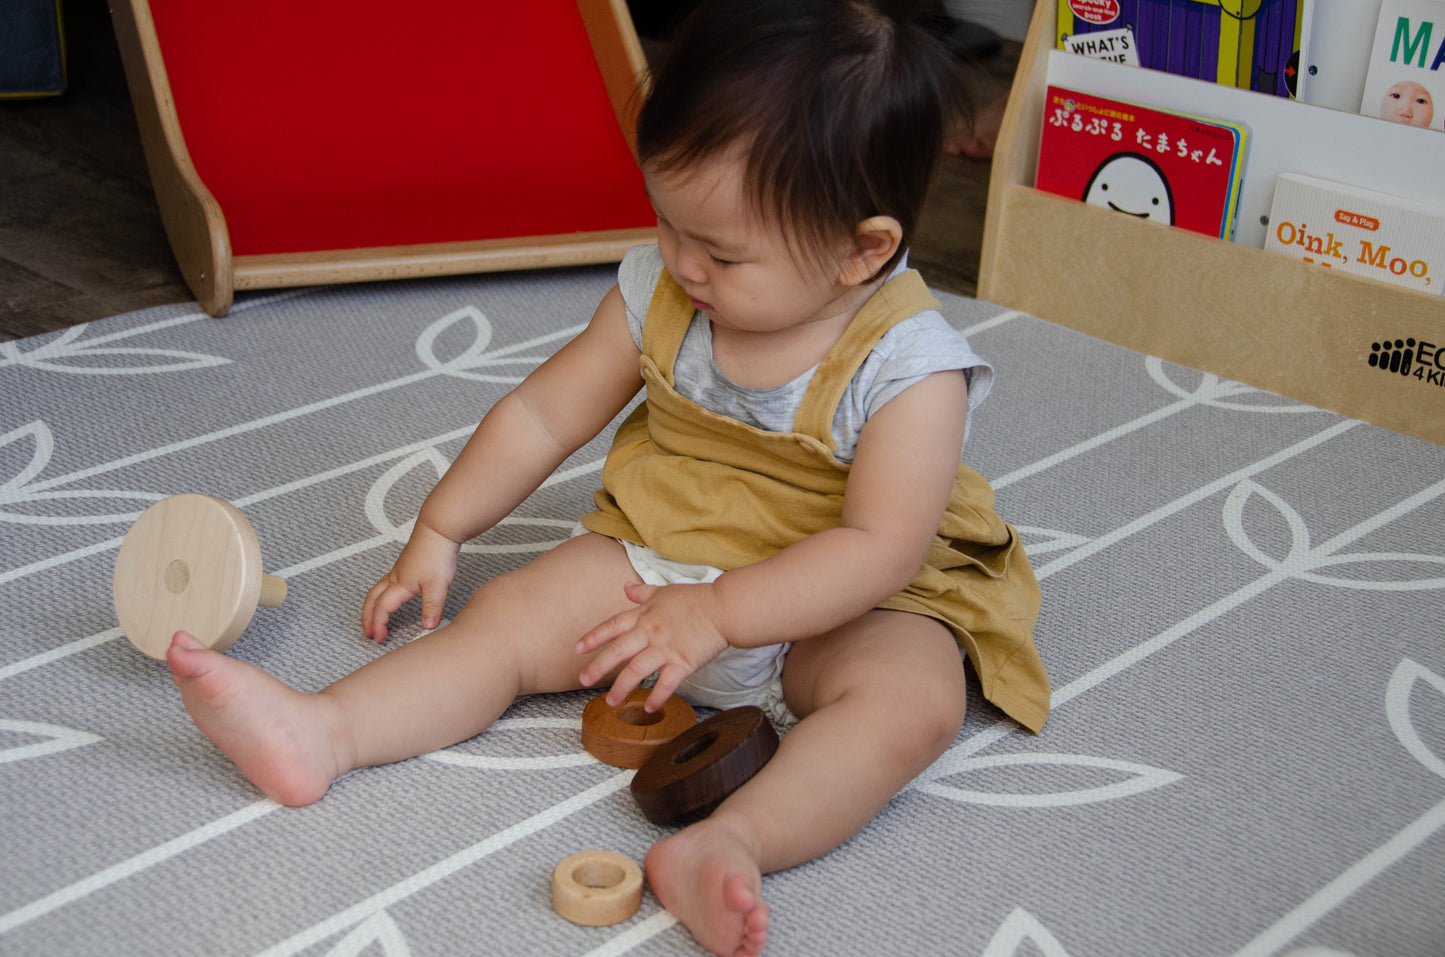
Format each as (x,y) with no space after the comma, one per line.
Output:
(1419,360)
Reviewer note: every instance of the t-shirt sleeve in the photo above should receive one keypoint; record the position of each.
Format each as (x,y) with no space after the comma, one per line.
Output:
(918,348)
(914,350)
(637,280)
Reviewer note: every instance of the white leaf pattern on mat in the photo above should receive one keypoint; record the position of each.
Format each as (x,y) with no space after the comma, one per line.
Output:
(1218,393)
(65,353)
(1408,675)
(379,928)
(376,495)
(56,739)
(44,440)
(1018,927)
(1137,779)
(478,352)
(426,343)
(376,511)
(1037,540)
(546,762)
(18,488)
(548,525)
(1301,559)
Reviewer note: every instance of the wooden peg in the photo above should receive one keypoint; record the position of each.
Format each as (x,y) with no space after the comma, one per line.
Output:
(596,888)
(626,736)
(190,562)
(691,774)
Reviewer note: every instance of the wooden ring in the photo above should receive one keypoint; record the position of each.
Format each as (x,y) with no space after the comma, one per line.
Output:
(596,888)
(691,774)
(626,736)
(190,562)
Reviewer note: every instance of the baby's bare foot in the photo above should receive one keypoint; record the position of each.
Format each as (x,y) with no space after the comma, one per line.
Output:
(278,737)
(710,882)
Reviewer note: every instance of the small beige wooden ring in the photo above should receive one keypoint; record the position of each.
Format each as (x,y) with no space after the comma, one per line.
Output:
(596,888)
(192,563)
(627,735)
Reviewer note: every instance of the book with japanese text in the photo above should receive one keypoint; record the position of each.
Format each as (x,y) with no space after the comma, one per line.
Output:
(1253,45)
(1406,79)
(1159,165)
(1357,230)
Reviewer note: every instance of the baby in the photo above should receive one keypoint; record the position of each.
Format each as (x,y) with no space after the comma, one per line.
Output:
(785,520)
(1408,102)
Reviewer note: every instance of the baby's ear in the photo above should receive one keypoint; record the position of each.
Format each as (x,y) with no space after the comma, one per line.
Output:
(875,241)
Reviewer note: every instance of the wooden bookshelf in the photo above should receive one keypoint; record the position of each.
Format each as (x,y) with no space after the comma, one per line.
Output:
(1222,307)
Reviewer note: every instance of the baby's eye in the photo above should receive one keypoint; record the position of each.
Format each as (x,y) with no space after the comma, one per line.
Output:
(721,262)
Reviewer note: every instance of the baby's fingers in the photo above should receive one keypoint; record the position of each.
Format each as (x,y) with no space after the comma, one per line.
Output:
(433,601)
(611,651)
(380,604)
(643,664)
(668,680)
(612,628)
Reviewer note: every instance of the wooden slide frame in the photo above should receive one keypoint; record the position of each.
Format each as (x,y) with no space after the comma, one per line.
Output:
(1226,308)
(196,224)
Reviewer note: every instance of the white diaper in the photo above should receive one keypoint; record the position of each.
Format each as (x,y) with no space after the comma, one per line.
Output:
(737,676)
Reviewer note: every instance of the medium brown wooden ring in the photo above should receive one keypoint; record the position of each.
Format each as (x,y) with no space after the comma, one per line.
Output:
(596,888)
(626,736)
(692,773)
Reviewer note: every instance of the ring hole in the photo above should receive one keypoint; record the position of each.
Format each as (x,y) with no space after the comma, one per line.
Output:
(177,576)
(598,874)
(637,716)
(694,749)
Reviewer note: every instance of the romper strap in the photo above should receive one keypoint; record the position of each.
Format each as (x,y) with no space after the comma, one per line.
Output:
(667,321)
(903,296)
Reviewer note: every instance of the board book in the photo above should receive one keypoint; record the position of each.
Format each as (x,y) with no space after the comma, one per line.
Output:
(1405,82)
(1254,44)
(1361,231)
(1164,166)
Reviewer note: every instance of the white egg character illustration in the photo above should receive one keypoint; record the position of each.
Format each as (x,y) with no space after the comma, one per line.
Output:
(1133,184)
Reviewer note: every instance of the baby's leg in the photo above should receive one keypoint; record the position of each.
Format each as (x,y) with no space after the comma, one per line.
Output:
(516,636)
(880,698)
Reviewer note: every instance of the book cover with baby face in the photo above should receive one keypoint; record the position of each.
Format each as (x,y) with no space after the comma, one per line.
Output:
(1406,79)
(1151,164)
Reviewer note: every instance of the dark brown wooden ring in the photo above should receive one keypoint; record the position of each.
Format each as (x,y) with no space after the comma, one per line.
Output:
(626,736)
(691,774)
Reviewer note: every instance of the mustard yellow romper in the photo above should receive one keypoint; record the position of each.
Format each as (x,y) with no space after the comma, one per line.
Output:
(703,488)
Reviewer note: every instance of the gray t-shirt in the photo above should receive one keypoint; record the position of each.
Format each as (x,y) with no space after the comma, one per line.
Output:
(915,348)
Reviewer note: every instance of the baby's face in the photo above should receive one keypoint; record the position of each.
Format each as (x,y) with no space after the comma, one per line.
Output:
(1408,102)
(738,269)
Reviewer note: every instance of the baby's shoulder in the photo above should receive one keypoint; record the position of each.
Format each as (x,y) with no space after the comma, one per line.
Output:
(923,334)
(637,278)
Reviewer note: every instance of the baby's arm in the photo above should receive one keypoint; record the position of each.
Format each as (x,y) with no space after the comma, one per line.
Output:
(558,408)
(898,488)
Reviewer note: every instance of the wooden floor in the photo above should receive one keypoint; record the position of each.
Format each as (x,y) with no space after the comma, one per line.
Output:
(81,239)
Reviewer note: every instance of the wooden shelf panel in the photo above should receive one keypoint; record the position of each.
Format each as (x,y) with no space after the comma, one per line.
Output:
(1296,329)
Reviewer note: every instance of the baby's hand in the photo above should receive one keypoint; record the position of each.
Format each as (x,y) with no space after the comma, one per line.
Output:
(426,567)
(672,630)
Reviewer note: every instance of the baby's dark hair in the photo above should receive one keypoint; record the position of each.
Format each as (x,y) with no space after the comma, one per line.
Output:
(841,104)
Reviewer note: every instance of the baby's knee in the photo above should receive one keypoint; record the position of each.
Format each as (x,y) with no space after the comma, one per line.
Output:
(918,713)
(934,713)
